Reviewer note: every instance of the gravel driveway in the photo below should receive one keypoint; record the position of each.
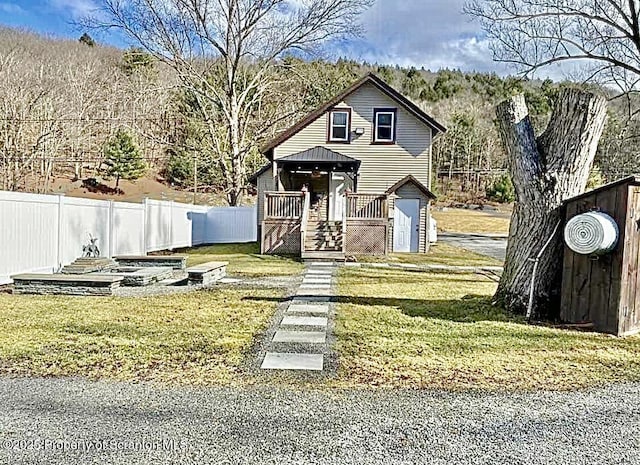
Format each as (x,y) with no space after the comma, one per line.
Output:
(252,425)
(492,246)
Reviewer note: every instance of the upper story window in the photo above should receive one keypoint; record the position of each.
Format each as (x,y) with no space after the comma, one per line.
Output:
(339,125)
(384,125)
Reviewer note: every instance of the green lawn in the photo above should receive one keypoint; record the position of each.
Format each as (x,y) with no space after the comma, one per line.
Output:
(245,260)
(436,330)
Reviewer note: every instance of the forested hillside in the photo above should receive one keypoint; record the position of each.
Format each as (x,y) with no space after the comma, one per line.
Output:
(64,102)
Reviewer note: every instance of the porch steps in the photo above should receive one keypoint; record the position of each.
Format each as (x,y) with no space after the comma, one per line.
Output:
(323,236)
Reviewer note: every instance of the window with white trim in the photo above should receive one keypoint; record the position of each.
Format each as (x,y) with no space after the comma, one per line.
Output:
(339,128)
(385,126)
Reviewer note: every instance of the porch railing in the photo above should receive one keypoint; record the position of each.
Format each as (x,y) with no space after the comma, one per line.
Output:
(283,205)
(367,206)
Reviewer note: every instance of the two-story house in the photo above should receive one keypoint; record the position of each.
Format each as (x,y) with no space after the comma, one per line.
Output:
(352,177)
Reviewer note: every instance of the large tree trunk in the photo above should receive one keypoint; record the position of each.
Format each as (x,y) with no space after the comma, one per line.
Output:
(545,172)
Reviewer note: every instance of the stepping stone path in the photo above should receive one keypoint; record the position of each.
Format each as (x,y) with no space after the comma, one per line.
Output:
(304,325)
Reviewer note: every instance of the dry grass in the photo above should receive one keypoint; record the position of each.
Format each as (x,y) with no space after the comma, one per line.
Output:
(428,330)
(439,254)
(196,338)
(200,337)
(134,191)
(245,260)
(471,221)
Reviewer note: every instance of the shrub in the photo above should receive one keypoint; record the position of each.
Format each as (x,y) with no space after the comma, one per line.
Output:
(502,190)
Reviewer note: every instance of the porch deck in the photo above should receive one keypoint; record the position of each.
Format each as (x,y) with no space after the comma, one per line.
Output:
(291,227)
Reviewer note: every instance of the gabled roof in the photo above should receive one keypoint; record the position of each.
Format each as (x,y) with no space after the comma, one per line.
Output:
(320,155)
(368,79)
(253,179)
(412,180)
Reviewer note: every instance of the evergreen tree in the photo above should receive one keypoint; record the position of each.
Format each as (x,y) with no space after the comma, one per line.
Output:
(87,40)
(122,158)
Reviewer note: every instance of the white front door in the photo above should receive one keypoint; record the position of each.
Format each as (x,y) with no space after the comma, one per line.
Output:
(406,225)
(338,183)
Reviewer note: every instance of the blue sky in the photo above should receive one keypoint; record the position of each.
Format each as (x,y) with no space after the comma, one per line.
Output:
(430,33)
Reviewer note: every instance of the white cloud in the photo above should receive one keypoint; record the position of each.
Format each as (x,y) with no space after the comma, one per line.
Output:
(433,33)
(76,8)
(11,8)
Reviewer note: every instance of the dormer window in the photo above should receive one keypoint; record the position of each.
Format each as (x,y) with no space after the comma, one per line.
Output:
(339,125)
(385,125)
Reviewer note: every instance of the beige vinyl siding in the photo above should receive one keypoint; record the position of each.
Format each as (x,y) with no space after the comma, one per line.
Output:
(265,183)
(382,165)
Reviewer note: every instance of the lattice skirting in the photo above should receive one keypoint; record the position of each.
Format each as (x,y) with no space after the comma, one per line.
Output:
(367,237)
(281,237)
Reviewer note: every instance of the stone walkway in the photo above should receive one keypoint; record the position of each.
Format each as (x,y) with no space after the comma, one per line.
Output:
(300,340)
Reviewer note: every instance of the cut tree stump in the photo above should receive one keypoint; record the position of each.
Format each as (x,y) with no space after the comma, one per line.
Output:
(545,172)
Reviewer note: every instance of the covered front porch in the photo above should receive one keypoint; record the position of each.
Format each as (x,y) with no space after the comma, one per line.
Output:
(326,175)
(316,212)
(292,227)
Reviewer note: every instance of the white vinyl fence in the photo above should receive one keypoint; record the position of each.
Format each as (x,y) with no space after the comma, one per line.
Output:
(41,233)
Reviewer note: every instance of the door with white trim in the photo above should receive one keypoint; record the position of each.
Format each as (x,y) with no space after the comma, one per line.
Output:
(406,225)
(338,184)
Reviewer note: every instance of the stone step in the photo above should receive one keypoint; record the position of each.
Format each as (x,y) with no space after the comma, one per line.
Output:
(300,337)
(309,309)
(293,361)
(304,321)
(323,255)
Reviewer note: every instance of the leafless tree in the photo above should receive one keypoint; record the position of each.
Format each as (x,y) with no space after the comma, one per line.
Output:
(60,100)
(602,35)
(224,52)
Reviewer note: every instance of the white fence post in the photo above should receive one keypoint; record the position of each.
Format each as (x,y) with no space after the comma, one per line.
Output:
(58,263)
(171,233)
(145,214)
(111,230)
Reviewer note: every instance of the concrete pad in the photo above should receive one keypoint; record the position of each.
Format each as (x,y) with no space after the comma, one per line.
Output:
(409,266)
(310,299)
(324,279)
(314,292)
(307,284)
(301,337)
(315,286)
(323,264)
(282,361)
(304,321)
(308,308)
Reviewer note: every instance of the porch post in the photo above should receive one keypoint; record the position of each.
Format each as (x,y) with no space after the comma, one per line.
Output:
(276,177)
